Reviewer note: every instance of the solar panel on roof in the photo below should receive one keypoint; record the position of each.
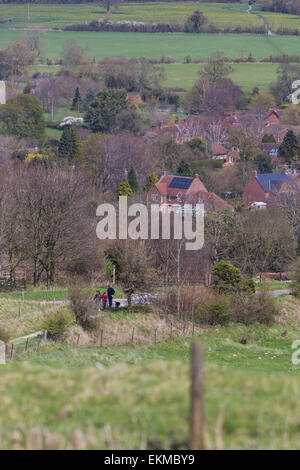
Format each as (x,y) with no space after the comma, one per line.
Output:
(180,183)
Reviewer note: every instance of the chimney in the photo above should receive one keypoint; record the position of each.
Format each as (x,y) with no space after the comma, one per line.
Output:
(254,174)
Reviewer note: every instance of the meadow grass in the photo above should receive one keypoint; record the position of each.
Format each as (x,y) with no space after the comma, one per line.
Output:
(57,293)
(138,396)
(176,45)
(247,76)
(58,16)
(222,15)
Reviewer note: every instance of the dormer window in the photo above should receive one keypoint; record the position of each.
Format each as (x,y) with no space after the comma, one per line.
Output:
(179,197)
(154,197)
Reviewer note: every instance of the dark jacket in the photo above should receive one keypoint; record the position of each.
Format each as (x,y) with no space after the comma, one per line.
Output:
(110,292)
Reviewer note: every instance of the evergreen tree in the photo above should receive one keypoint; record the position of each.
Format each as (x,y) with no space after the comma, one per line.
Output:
(133,180)
(102,112)
(88,98)
(152,180)
(70,144)
(125,189)
(76,104)
(184,169)
(289,147)
(298,244)
(264,163)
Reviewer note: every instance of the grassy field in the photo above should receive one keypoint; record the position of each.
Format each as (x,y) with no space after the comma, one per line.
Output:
(247,76)
(58,16)
(137,396)
(100,45)
(276,21)
(58,293)
(222,15)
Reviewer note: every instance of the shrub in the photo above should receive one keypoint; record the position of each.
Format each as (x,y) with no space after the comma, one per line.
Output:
(261,308)
(82,306)
(296,284)
(227,277)
(4,334)
(214,312)
(57,324)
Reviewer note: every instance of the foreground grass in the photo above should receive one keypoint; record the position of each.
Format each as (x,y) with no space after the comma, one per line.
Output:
(138,397)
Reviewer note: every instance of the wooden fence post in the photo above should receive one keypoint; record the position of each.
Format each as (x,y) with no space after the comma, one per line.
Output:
(39,343)
(197,398)
(132,337)
(12,350)
(23,296)
(171,330)
(26,344)
(155,335)
(78,338)
(101,339)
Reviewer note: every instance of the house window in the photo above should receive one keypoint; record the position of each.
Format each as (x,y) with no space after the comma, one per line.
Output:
(154,197)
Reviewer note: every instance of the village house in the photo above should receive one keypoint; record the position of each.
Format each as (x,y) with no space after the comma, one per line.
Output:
(274,117)
(177,190)
(230,157)
(262,186)
(178,131)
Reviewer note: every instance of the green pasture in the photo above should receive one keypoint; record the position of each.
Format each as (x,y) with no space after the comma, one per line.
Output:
(178,46)
(134,397)
(58,16)
(247,76)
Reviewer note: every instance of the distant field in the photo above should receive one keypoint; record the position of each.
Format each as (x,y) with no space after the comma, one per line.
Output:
(58,16)
(247,76)
(154,45)
(276,20)
(222,15)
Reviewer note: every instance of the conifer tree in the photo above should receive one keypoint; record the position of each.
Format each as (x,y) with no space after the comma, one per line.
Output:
(70,144)
(289,147)
(76,104)
(125,188)
(88,98)
(133,180)
(152,180)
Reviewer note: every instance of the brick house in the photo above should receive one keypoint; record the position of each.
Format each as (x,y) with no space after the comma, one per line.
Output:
(274,116)
(218,152)
(171,190)
(178,131)
(262,186)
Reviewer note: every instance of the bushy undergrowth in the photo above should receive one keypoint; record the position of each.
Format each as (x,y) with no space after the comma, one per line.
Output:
(4,334)
(208,307)
(83,307)
(57,324)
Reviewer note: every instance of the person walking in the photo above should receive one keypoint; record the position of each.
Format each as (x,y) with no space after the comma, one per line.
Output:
(110,294)
(104,300)
(97,299)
